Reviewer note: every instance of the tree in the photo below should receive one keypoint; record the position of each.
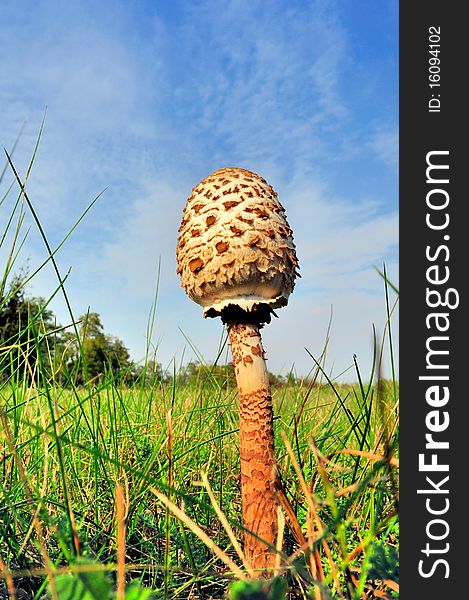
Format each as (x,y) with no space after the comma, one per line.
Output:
(25,323)
(95,353)
(28,331)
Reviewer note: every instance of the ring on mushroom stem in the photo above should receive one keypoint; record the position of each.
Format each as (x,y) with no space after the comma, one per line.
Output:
(237,259)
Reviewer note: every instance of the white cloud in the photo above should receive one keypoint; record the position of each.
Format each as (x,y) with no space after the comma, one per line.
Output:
(385,143)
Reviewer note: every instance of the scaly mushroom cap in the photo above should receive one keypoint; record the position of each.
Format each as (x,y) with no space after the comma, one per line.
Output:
(235,248)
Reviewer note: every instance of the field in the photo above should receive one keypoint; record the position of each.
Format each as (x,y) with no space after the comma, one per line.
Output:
(86,473)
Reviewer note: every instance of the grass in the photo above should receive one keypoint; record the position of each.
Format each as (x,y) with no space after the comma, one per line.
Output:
(67,454)
(133,492)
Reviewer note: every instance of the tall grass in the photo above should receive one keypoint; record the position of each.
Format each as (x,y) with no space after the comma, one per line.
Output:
(133,492)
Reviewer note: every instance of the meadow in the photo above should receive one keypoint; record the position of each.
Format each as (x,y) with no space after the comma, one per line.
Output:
(93,477)
(112,489)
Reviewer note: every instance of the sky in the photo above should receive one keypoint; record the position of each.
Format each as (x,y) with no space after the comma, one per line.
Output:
(141,100)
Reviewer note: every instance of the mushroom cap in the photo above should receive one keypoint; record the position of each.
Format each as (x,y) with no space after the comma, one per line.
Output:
(235,249)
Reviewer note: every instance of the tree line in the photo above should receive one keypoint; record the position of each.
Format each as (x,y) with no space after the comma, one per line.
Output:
(34,345)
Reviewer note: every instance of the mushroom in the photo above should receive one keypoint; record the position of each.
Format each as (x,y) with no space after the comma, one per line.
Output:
(236,258)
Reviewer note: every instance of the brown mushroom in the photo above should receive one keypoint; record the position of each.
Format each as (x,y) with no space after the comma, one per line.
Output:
(241,267)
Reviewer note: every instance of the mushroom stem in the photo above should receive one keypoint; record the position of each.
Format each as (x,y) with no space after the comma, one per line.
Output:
(256,446)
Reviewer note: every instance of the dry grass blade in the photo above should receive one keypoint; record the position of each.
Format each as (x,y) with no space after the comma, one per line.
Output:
(120,517)
(279,545)
(332,566)
(370,455)
(321,460)
(309,499)
(177,512)
(314,523)
(226,525)
(392,585)
(81,568)
(354,487)
(293,523)
(6,575)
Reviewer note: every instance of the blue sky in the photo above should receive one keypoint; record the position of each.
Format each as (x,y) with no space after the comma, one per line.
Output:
(144,99)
